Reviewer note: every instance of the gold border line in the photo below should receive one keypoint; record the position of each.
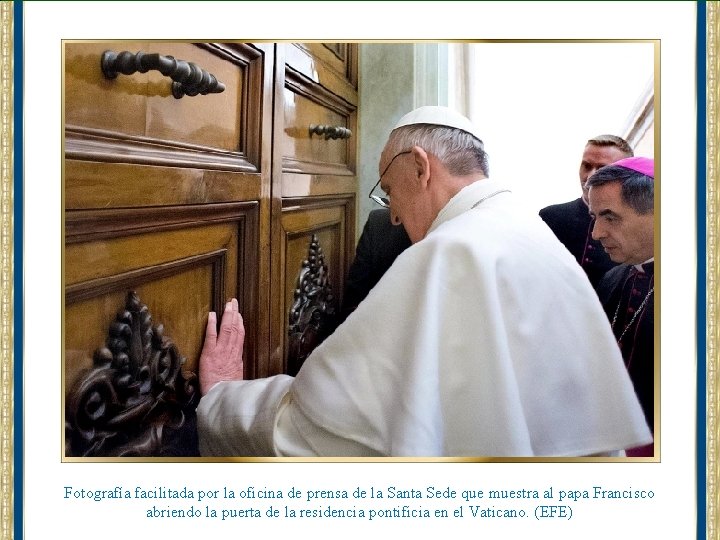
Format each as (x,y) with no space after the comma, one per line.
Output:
(6,271)
(410,459)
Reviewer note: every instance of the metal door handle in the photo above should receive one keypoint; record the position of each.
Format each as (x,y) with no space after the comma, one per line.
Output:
(188,78)
(330,132)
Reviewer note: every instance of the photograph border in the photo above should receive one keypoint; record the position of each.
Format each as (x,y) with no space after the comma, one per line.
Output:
(655,458)
(11,319)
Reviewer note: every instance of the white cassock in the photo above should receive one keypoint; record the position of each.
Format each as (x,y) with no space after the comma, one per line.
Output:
(483,339)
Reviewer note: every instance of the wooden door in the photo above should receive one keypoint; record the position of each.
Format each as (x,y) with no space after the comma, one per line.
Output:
(177,198)
(167,216)
(313,198)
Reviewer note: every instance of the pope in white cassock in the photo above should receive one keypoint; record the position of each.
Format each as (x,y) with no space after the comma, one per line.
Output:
(484,338)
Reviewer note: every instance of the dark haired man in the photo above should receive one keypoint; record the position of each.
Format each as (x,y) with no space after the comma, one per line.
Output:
(621,199)
(571,221)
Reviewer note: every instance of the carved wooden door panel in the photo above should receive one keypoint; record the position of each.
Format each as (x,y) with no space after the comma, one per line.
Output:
(167,197)
(313,195)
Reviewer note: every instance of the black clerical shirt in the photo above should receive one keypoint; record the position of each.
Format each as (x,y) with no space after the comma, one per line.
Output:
(627,294)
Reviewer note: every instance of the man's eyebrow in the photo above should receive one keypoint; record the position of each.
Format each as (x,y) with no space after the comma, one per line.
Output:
(606,212)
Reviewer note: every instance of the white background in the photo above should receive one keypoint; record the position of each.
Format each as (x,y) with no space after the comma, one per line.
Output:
(537,104)
(672,512)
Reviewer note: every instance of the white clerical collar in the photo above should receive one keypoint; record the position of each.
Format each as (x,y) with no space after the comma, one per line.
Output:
(639,267)
(464,200)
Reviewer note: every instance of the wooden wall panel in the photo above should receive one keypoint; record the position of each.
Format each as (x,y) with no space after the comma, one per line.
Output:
(313,187)
(327,221)
(302,112)
(341,57)
(88,320)
(307,106)
(181,268)
(135,118)
(317,63)
(96,184)
(142,104)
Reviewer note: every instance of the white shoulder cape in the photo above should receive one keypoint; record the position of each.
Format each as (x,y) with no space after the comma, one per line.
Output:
(483,339)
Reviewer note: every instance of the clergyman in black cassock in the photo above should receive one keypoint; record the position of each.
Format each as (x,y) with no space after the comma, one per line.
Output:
(626,293)
(621,200)
(572,225)
(379,245)
(571,221)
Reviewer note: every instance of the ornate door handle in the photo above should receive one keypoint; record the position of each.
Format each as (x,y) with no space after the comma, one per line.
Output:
(188,78)
(330,132)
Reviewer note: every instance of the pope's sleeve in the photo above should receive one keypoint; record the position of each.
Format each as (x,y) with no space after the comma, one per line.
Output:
(260,418)
(238,418)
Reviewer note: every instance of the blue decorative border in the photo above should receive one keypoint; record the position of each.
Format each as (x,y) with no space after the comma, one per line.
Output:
(701,273)
(18,313)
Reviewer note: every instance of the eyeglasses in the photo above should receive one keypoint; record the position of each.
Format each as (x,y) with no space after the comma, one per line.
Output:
(385,201)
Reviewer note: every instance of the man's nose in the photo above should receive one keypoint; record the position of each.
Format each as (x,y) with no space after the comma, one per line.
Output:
(597,231)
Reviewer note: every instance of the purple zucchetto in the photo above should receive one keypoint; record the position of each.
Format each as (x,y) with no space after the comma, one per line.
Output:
(642,165)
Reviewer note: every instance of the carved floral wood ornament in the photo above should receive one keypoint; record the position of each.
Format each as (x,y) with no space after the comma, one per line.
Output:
(312,314)
(135,400)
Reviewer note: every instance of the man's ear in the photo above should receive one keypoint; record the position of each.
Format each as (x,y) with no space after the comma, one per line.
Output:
(422,164)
